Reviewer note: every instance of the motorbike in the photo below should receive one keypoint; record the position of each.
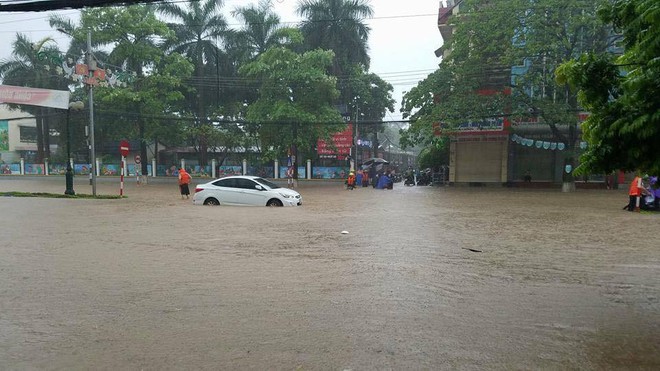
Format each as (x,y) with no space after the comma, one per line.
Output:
(410,180)
(425,178)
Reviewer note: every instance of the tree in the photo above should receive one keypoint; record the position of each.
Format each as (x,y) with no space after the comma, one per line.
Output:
(262,30)
(202,27)
(133,33)
(621,93)
(337,25)
(295,104)
(30,68)
(371,100)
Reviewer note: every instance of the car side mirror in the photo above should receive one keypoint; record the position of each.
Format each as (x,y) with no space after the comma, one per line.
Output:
(259,187)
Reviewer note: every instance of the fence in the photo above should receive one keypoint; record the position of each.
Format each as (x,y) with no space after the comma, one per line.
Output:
(172,170)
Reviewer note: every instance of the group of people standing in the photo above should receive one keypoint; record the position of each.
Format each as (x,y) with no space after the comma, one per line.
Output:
(377,179)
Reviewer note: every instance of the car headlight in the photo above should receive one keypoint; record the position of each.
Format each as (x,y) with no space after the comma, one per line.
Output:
(285,195)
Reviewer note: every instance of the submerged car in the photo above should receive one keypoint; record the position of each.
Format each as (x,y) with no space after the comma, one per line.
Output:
(245,190)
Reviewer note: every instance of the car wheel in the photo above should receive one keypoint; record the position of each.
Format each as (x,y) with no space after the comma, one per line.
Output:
(211,202)
(274,202)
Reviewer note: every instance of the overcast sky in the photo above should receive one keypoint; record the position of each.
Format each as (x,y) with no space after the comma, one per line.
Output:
(404,36)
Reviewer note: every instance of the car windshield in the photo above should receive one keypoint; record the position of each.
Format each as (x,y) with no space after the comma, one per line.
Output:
(267,183)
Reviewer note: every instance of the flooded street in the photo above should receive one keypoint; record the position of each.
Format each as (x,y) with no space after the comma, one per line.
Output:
(426,278)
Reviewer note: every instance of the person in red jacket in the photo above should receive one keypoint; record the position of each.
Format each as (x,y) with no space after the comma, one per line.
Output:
(635,192)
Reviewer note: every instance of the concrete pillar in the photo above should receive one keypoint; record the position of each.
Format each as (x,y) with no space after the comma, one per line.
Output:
(153,167)
(22,169)
(214,164)
(277,169)
(244,167)
(46,166)
(183,163)
(97,167)
(309,169)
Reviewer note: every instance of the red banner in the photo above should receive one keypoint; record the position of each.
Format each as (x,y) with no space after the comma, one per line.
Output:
(343,142)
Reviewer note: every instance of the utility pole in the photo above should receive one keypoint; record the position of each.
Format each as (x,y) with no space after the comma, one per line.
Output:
(91,66)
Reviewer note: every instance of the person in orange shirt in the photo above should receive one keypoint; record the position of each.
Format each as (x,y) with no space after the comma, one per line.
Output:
(635,192)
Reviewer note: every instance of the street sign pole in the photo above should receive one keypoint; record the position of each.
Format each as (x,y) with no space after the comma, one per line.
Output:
(124,148)
(121,182)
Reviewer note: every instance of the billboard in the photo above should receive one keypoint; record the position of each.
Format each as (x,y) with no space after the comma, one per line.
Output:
(343,142)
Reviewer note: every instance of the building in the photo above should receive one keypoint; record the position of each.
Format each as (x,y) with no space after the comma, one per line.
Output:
(500,150)
(18,135)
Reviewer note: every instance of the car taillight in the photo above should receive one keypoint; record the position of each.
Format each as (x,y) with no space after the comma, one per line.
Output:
(197,190)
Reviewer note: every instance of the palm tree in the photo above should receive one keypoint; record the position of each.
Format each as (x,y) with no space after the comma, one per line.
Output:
(338,25)
(30,67)
(262,28)
(197,35)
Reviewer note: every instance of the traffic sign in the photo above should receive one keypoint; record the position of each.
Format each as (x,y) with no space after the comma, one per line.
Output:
(124,148)
(138,159)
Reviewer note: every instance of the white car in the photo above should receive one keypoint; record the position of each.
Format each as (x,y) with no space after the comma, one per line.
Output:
(245,190)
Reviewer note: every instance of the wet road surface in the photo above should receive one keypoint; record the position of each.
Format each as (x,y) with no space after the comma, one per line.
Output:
(426,278)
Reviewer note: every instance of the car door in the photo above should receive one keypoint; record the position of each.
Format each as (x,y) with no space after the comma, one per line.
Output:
(227,191)
(250,195)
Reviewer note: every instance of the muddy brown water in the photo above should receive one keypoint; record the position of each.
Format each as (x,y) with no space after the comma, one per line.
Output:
(151,282)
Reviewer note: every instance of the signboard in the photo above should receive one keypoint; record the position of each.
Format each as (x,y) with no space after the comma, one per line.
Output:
(343,142)
(124,148)
(138,159)
(34,97)
(497,125)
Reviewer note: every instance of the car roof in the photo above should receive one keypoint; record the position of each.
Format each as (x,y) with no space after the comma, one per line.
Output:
(238,177)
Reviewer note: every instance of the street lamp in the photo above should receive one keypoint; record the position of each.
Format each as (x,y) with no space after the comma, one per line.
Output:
(91,67)
(76,106)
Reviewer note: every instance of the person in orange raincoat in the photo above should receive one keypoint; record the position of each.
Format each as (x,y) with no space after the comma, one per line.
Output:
(350,181)
(184,180)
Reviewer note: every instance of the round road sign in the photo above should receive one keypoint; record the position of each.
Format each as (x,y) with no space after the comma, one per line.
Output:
(124,148)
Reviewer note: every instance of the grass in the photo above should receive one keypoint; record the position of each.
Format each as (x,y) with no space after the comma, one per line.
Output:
(57,195)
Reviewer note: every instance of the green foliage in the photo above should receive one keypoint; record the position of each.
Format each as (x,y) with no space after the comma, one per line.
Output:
(434,156)
(294,107)
(623,130)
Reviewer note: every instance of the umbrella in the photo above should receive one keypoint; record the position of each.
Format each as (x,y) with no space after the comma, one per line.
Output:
(374,160)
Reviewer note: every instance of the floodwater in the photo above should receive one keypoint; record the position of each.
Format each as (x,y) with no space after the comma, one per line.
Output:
(426,278)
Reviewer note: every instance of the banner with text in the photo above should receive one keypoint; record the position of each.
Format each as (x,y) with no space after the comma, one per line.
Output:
(343,142)
(34,97)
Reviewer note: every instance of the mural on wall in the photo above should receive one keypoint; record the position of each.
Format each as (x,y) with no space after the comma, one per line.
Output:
(330,172)
(4,135)
(34,169)
(284,171)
